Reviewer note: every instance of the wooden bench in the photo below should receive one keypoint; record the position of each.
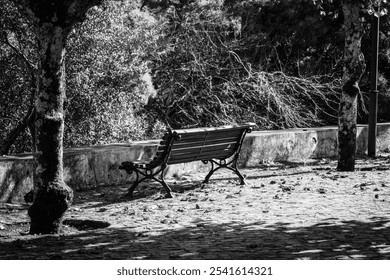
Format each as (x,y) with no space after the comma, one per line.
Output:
(220,146)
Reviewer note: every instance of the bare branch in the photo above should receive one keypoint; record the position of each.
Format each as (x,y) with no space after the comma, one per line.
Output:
(20,54)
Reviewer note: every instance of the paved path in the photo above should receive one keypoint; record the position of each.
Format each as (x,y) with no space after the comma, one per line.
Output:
(286,211)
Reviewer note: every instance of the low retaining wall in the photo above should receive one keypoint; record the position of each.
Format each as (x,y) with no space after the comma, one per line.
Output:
(89,167)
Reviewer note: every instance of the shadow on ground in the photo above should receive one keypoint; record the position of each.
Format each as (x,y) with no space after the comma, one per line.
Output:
(346,240)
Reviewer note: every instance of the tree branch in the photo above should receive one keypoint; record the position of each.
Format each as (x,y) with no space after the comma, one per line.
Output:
(16,131)
(30,65)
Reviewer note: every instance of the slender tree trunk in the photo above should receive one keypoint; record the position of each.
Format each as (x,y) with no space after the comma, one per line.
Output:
(354,67)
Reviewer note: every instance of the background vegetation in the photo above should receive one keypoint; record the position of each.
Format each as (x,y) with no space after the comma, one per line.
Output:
(133,72)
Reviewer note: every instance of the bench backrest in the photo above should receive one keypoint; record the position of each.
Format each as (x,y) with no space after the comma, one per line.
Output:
(186,145)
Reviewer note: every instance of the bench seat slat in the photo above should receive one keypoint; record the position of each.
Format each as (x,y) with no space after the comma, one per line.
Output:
(193,131)
(210,135)
(216,145)
(203,156)
(194,150)
(201,141)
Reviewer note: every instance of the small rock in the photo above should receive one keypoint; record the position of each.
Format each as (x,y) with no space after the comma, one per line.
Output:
(376,190)
(287,188)
(129,211)
(272,182)
(102,209)
(321,190)
(257,186)
(197,206)
(377,196)
(198,221)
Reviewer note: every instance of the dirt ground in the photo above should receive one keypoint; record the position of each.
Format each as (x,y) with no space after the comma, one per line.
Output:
(285,211)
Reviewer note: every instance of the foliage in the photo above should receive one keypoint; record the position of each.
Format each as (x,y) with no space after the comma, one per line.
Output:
(18,64)
(108,75)
(202,81)
(277,63)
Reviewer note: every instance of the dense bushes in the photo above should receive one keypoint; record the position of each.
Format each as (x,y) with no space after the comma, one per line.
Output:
(18,63)
(108,76)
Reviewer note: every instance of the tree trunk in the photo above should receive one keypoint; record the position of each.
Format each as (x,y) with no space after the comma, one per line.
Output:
(52,196)
(354,67)
(53,21)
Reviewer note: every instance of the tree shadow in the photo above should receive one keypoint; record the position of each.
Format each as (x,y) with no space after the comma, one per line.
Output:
(331,239)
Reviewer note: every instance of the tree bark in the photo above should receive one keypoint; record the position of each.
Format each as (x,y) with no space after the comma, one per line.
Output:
(53,196)
(354,67)
(53,21)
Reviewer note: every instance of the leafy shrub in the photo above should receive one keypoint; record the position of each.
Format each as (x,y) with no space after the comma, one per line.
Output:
(108,76)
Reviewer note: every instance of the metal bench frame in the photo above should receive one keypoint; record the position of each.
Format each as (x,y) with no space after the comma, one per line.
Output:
(227,158)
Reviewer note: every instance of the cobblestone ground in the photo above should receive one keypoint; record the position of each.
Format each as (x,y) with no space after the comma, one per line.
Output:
(286,211)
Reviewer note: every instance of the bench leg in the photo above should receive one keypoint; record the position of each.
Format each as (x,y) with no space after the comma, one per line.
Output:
(242,181)
(232,165)
(167,189)
(133,186)
(161,181)
(206,179)
(149,174)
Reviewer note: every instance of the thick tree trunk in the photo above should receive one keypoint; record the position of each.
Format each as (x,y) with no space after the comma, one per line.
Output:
(52,195)
(354,66)
(53,20)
